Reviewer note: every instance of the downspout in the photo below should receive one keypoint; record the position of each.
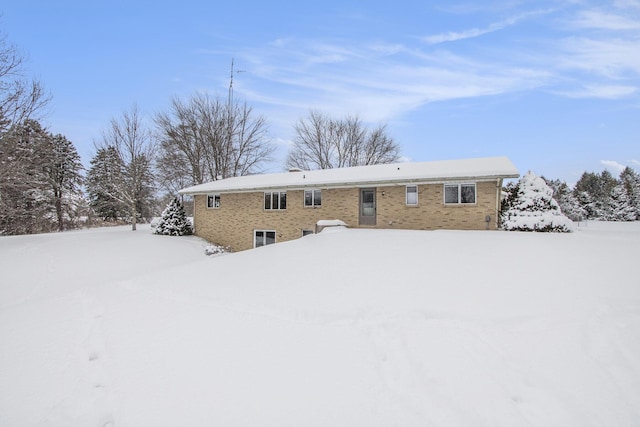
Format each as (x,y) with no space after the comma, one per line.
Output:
(193,226)
(498,194)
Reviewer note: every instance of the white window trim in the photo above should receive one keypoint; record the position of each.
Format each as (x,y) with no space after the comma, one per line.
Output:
(459,185)
(214,200)
(280,193)
(275,237)
(313,198)
(406,195)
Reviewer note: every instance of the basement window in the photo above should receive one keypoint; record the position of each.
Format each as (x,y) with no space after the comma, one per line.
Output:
(263,238)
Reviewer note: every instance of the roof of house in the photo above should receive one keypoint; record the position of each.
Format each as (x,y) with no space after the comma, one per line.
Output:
(387,174)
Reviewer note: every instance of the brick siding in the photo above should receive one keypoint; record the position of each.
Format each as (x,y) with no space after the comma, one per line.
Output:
(239,214)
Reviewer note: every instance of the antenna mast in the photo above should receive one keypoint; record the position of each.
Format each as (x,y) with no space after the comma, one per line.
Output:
(230,99)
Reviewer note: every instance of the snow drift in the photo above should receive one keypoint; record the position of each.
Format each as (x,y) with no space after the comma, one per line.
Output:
(353,327)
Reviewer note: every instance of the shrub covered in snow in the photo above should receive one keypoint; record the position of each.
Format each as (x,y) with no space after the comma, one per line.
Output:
(529,206)
(214,249)
(173,221)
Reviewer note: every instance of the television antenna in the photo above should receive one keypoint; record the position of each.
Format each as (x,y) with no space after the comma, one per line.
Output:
(231,81)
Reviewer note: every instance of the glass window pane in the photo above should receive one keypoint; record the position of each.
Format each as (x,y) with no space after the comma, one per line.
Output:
(367,196)
(267,200)
(209,201)
(274,201)
(283,200)
(259,238)
(451,194)
(216,201)
(308,198)
(317,198)
(270,238)
(412,195)
(468,193)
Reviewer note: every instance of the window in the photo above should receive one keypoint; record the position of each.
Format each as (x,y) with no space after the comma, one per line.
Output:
(459,194)
(213,201)
(275,200)
(263,238)
(412,194)
(312,198)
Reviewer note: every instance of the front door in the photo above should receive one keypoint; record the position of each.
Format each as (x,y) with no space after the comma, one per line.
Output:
(367,206)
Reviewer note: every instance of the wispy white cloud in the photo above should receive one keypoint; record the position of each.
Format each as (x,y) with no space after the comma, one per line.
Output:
(600,91)
(379,81)
(476,32)
(596,19)
(627,4)
(609,57)
(383,79)
(613,166)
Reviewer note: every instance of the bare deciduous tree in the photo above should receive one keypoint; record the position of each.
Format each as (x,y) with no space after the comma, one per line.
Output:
(205,138)
(19,98)
(324,143)
(135,147)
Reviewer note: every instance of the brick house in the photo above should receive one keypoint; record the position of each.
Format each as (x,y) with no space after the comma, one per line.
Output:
(255,210)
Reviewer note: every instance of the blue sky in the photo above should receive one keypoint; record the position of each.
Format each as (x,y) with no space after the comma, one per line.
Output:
(554,85)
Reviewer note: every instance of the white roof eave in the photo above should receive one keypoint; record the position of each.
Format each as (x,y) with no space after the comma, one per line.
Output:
(337,184)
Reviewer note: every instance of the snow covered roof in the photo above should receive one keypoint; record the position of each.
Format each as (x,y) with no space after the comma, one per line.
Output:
(465,169)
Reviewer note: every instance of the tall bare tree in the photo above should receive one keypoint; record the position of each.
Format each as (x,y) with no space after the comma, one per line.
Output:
(322,142)
(134,145)
(205,138)
(20,97)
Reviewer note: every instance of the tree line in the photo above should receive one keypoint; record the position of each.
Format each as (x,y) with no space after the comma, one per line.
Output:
(139,164)
(596,196)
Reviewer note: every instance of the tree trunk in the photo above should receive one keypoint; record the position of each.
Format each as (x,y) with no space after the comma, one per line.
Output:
(59,213)
(133,216)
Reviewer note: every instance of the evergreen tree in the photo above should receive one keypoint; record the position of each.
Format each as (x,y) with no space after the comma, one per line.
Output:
(594,193)
(531,207)
(105,172)
(63,175)
(24,197)
(630,180)
(568,202)
(174,221)
(621,207)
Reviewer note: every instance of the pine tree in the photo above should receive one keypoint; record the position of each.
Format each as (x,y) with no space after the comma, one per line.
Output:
(24,197)
(531,207)
(621,207)
(63,175)
(594,192)
(105,172)
(630,180)
(174,221)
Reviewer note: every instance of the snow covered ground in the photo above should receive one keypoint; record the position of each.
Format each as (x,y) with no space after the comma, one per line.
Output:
(114,328)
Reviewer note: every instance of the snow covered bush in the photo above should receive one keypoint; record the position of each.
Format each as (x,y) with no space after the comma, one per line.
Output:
(173,221)
(216,249)
(529,206)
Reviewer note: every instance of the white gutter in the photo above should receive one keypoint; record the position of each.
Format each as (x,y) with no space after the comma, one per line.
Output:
(330,185)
